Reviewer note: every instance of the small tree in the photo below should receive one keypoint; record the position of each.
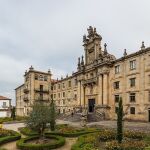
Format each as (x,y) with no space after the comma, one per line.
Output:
(119,122)
(13,113)
(38,118)
(52,116)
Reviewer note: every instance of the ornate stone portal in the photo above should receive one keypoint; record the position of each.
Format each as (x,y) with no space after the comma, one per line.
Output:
(95,74)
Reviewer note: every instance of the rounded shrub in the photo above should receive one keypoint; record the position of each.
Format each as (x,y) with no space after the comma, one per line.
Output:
(12,137)
(23,145)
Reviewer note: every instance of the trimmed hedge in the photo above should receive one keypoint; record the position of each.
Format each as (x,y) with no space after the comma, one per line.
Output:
(21,144)
(74,134)
(27,131)
(9,119)
(6,139)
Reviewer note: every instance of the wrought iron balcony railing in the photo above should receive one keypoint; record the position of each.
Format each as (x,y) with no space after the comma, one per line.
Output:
(26,90)
(42,90)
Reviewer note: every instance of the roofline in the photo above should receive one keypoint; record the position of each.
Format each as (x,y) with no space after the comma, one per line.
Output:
(19,86)
(36,71)
(133,54)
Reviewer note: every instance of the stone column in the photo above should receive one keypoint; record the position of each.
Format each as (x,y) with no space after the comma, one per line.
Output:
(105,89)
(100,98)
(79,93)
(82,94)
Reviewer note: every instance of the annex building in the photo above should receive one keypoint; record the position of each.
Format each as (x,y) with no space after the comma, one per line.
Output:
(96,86)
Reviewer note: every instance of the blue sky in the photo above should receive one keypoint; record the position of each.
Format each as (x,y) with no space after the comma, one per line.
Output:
(48,34)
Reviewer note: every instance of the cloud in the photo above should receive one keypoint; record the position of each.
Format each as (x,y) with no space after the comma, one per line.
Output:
(48,34)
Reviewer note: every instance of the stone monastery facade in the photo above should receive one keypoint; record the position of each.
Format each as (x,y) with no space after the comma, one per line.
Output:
(96,86)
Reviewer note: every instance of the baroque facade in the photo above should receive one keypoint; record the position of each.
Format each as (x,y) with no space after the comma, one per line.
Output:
(99,82)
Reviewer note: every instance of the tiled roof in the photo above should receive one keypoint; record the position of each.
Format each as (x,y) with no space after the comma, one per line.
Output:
(4,98)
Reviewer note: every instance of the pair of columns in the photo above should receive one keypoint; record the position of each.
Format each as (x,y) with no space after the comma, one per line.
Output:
(102,91)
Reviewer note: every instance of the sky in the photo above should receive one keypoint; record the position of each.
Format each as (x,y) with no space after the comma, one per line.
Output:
(47,34)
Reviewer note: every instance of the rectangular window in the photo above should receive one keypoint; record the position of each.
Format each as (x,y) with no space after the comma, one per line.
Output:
(116,85)
(117,69)
(58,86)
(132,97)
(41,87)
(69,83)
(63,85)
(116,110)
(132,110)
(45,78)
(133,64)
(75,82)
(58,95)
(116,98)
(132,82)
(63,94)
(63,102)
(36,77)
(4,104)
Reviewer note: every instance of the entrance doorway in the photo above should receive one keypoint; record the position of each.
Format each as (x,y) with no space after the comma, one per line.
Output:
(91,105)
(149,115)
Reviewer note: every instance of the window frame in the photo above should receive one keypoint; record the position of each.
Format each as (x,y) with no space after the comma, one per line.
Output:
(133,64)
(132,110)
(117,69)
(132,84)
(131,97)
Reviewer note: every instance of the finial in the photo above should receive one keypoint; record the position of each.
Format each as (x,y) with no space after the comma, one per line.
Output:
(84,38)
(79,63)
(125,53)
(82,60)
(61,77)
(49,71)
(67,76)
(143,46)
(105,48)
(31,68)
(25,72)
(57,79)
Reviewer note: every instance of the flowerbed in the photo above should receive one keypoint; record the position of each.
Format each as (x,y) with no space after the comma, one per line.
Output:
(106,139)
(22,144)
(8,135)
(126,145)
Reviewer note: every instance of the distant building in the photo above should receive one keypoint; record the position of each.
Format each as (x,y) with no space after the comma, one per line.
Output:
(5,106)
(98,83)
(36,87)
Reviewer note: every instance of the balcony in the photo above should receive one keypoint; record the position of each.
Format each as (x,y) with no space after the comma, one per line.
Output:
(26,90)
(38,99)
(26,99)
(90,81)
(42,90)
